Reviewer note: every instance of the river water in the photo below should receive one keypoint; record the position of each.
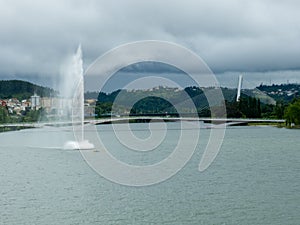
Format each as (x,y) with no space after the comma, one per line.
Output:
(255,179)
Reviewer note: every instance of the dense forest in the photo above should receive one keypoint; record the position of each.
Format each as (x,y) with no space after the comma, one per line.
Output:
(23,90)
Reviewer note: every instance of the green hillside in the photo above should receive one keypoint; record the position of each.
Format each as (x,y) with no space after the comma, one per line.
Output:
(22,89)
(261,102)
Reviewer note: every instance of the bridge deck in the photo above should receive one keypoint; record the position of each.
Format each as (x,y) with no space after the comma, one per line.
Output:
(120,119)
(208,120)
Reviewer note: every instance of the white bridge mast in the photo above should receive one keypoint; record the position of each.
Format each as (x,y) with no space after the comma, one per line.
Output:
(239,88)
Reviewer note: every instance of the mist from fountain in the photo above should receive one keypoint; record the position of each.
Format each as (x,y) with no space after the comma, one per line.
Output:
(72,91)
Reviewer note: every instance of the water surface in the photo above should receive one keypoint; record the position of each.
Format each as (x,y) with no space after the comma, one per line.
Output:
(255,179)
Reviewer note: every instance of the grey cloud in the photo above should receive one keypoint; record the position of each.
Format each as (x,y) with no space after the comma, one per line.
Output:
(231,35)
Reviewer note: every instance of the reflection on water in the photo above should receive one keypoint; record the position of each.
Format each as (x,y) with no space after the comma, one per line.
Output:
(254,180)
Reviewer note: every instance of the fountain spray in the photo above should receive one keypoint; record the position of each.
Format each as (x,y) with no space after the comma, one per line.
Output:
(74,89)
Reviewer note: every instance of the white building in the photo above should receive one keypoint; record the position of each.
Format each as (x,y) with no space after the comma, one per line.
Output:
(35,101)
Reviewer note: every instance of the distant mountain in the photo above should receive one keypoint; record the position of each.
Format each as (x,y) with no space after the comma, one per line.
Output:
(161,100)
(267,94)
(91,95)
(257,102)
(174,94)
(23,90)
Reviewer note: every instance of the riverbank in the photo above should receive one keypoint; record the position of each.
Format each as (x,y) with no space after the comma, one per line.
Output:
(278,125)
(7,129)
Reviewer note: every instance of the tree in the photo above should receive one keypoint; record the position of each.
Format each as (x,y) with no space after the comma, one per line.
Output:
(279,109)
(292,113)
(250,107)
(232,110)
(103,108)
(4,118)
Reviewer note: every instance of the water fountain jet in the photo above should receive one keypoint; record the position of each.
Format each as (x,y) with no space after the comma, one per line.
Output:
(73,88)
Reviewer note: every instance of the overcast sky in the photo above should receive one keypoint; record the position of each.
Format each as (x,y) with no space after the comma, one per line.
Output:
(252,37)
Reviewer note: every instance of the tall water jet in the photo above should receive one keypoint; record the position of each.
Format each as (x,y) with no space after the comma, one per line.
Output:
(72,89)
(78,95)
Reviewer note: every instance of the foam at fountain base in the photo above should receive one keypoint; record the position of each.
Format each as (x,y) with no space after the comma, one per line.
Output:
(75,145)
